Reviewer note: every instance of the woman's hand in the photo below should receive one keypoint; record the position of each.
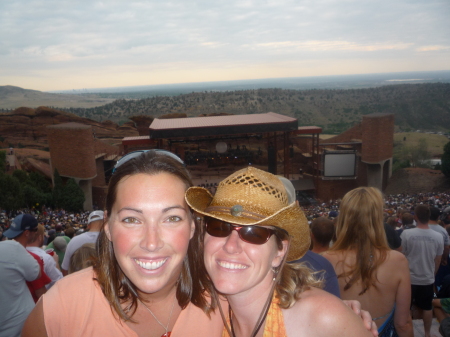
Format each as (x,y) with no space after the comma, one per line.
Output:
(365,316)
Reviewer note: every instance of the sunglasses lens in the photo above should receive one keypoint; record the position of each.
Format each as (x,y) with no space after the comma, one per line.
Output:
(251,234)
(255,234)
(217,228)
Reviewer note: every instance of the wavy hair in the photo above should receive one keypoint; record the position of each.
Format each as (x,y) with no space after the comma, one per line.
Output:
(115,285)
(360,228)
(294,278)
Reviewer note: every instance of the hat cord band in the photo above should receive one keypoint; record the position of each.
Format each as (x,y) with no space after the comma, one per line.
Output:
(243,214)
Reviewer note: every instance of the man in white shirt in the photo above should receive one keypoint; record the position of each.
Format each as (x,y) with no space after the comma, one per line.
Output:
(95,222)
(423,247)
(50,262)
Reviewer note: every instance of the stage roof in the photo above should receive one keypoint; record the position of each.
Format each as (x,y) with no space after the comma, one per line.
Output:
(221,125)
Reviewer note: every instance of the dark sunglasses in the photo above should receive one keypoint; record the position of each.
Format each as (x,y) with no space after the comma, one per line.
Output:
(256,235)
(136,154)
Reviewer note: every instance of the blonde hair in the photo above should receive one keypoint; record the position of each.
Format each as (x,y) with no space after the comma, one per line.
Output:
(40,230)
(294,278)
(360,228)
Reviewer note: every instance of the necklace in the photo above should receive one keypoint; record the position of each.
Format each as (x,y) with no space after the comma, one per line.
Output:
(167,333)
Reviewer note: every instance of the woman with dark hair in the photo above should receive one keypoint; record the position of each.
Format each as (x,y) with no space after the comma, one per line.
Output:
(149,279)
(368,270)
(252,229)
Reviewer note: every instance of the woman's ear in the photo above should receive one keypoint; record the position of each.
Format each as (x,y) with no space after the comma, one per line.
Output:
(280,254)
(193,220)
(107,229)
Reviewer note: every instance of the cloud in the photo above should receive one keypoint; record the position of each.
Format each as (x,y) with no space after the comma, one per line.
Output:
(334,46)
(78,37)
(433,48)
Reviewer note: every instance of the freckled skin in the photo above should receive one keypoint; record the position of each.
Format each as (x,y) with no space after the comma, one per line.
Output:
(150,222)
(258,260)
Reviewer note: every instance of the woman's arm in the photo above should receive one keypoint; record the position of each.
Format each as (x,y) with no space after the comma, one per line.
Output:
(318,314)
(402,315)
(34,325)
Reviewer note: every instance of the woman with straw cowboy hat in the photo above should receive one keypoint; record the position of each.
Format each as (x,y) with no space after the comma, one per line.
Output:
(149,278)
(251,231)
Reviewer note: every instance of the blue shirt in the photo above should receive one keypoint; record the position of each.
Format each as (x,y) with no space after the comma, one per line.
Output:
(320,264)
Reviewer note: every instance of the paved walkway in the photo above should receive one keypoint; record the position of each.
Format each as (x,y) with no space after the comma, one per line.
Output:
(418,328)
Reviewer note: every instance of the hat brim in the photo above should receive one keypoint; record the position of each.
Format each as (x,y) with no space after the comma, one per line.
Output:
(11,234)
(290,218)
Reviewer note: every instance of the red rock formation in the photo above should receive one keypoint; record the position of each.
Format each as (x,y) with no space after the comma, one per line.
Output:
(28,126)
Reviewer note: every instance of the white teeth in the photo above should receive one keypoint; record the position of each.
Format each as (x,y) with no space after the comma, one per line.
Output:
(150,265)
(229,265)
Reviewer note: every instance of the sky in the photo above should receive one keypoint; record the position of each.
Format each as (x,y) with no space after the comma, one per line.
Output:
(62,45)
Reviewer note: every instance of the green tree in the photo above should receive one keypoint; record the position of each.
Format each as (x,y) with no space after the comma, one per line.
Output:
(11,196)
(58,188)
(445,168)
(32,196)
(40,182)
(22,176)
(2,162)
(72,198)
(411,156)
(419,154)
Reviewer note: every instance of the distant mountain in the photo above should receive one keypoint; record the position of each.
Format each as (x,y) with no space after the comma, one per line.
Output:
(358,81)
(12,97)
(424,106)
(416,106)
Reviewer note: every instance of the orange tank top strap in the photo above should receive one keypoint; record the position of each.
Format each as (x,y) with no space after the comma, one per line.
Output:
(274,325)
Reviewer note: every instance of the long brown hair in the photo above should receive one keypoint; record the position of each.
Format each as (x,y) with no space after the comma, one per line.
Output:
(115,285)
(360,228)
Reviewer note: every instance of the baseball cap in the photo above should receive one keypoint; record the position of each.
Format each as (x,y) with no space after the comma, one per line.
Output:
(95,215)
(333,214)
(20,224)
(60,243)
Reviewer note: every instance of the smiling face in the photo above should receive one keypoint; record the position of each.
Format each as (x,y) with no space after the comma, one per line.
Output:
(150,227)
(238,267)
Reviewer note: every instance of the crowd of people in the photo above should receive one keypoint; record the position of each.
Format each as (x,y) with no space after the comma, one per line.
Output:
(171,259)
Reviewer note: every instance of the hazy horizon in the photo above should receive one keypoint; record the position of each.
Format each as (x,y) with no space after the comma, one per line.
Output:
(319,82)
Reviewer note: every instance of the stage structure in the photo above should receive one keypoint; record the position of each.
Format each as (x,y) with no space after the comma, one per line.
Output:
(237,140)
(213,147)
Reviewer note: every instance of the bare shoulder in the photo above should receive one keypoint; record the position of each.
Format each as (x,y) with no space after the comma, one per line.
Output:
(396,259)
(397,256)
(331,256)
(319,313)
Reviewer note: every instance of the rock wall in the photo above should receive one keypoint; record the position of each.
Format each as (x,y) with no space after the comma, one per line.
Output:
(28,126)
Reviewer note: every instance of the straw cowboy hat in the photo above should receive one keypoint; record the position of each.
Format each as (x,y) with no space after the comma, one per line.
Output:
(254,197)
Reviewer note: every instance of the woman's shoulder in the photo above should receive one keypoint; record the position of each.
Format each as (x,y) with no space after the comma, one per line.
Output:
(68,288)
(318,313)
(394,257)
(78,279)
(335,256)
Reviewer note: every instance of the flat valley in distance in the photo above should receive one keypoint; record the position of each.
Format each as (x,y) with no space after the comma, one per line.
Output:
(290,83)
(419,100)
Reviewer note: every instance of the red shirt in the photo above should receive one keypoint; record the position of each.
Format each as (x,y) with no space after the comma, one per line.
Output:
(39,282)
